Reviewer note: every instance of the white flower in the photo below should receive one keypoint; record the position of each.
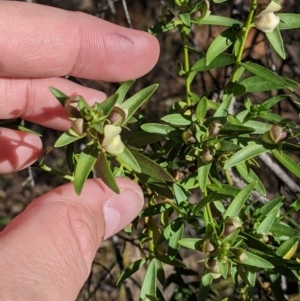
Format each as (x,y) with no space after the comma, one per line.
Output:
(266,20)
(112,142)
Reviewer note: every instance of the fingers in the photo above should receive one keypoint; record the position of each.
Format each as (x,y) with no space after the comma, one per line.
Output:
(42,41)
(54,241)
(18,150)
(31,100)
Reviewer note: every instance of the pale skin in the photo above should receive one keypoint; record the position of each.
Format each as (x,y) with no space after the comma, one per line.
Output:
(46,252)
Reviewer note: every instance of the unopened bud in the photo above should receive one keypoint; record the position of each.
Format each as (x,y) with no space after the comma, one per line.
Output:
(214,128)
(213,268)
(187,137)
(206,156)
(240,255)
(207,246)
(76,128)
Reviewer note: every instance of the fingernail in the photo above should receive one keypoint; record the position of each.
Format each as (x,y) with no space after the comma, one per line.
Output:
(120,209)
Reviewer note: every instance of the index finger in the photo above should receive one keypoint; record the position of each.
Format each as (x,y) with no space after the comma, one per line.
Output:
(42,41)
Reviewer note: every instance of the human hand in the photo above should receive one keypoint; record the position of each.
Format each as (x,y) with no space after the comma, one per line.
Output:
(46,252)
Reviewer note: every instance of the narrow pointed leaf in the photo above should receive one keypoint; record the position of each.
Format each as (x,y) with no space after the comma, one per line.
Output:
(203,172)
(249,176)
(250,151)
(257,261)
(137,100)
(84,166)
(222,110)
(65,139)
(266,224)
(104,172)
(60,96)
(122,91)
(220,44)
(288,21)
(108,104)
(219,20)
(238,202)
(139,139)
(266,74)
(151,168)
(275,40)
(176,119)
(149,284)
(129,160)
(129,271)
(287,162)
(288,248)
(205,286)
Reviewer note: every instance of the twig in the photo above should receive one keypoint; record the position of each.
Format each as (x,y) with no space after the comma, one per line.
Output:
(280,173)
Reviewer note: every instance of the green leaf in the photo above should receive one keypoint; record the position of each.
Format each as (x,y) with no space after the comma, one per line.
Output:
(258,84)
(268,207)
(176,119)
(155,209)
(220,21)
(288,21)
(231,129)
(257,261)
(224,59)
(151,168)
(149,284)
(275,40)
(179,194)
(269,103)
(203,172)
(250,151)
(259,127)
(134,267)
(191,243)
(122,91)
(108,104)
(65,139)
(201,109)
(288,248)
(139,139)
(226,146)
(104,172)
(60,96)
(287,162)
(283,230)
(249,176)
(127,158)
(266,224)
(166,259)
(205,286)
(164,130)
(220,44)
(238,202)
(225,189)
(137,100)
(266,74)
(173,245)
(222,111)
(276,285)
(84,166)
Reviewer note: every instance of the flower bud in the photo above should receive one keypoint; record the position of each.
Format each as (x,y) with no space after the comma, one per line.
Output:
(214,128)
(232,224)
(112,142)
(207,246)
(213,268)
(71,107)
(277,133)
(206,156)
(240,255)
(76,128)
(187,137)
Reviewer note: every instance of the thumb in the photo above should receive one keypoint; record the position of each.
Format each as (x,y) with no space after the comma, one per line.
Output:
(47,251)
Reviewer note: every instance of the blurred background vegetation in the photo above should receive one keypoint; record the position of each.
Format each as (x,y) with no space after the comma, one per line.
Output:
(17,190)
